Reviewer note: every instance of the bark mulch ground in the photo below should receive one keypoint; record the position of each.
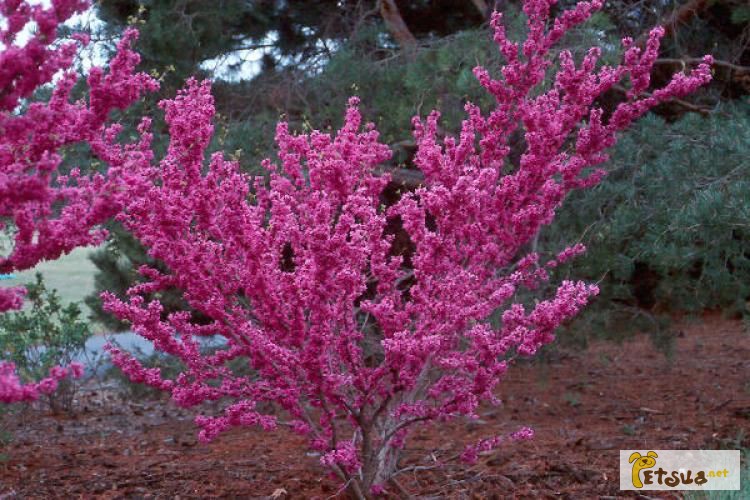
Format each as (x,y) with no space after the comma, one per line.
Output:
(584,407)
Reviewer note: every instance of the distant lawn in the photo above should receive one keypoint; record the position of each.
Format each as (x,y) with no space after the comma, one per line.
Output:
(71,275)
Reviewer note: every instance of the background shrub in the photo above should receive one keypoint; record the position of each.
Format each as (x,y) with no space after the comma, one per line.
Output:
(44,335)
(667,230)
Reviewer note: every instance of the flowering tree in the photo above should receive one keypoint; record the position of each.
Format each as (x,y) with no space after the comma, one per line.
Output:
(297,272)
(47,214)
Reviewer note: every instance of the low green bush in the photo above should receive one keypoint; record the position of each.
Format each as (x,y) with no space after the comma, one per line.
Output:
(43,335)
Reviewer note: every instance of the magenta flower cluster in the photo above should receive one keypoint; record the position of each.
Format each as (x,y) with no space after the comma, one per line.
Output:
(45,213)
(12,390)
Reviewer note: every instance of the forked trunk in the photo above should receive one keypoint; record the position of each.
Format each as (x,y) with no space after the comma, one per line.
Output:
(398,28)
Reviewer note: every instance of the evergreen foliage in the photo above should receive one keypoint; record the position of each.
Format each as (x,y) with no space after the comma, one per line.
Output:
(117,261)
(667,230)
(181,34)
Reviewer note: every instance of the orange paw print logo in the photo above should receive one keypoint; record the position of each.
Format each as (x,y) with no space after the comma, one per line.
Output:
(640,462)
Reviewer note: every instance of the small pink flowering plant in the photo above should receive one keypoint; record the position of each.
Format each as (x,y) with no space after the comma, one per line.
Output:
(296,270)
(12,390)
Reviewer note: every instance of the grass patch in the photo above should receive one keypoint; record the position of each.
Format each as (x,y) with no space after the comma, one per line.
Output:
(71,275)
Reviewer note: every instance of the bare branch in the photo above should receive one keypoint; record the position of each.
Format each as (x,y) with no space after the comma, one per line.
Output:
(704,110)
(696,60)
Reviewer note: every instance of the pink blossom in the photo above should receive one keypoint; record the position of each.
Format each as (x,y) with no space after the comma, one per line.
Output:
(377,489)
(344,456)
(471,452)
(12,390)
(52,214)
(523,434)
(76,369)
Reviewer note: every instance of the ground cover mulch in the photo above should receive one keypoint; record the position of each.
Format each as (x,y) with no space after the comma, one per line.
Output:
(584,406)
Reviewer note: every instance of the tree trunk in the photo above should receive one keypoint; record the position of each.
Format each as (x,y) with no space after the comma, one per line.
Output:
(379,460)
(482,7)
(398,27)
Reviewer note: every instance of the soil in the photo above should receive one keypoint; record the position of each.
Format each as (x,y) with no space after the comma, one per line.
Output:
(584,406)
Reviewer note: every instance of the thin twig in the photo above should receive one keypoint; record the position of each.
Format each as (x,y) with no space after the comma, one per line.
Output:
(697,60)
(685,104)
(404,492)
